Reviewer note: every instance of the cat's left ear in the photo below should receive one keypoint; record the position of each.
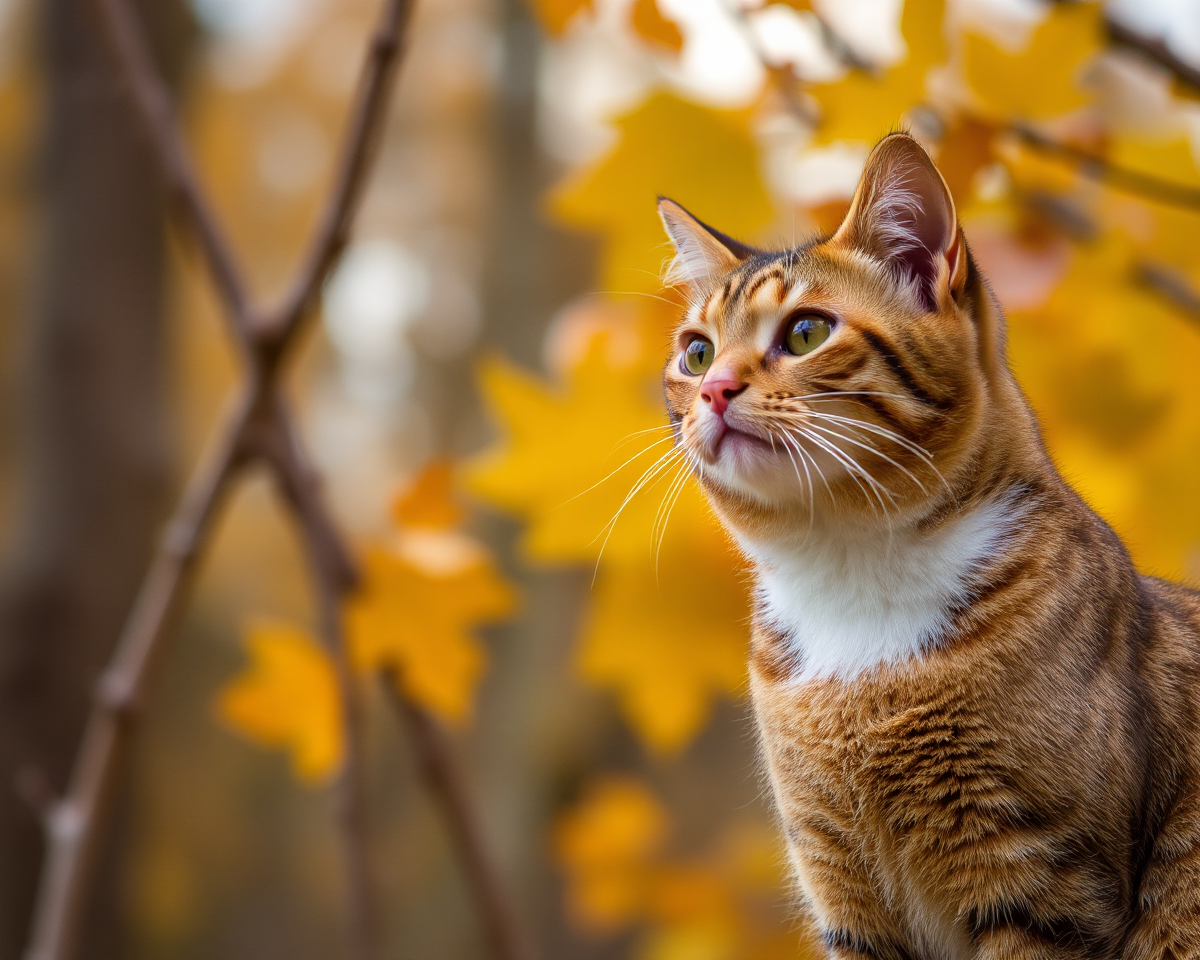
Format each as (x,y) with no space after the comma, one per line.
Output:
(903,214)
(702,254)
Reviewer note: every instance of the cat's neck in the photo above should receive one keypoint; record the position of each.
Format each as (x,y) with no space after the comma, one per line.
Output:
(850,600)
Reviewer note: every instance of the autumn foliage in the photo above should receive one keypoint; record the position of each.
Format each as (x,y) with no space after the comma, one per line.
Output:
(1077,183)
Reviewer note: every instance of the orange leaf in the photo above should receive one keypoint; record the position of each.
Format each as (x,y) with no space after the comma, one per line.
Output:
(287,697)
(653,26)
(429,501)
(556,15)
(606,845)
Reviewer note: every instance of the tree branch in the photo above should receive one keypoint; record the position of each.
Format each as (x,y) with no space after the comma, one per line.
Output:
(1114,175)
(1153,49)
(261,427)
(153,101)
(446,784)
(362,140)
(74,824)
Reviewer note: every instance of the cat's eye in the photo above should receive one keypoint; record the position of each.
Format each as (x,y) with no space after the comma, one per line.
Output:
(806,333)
(698,356)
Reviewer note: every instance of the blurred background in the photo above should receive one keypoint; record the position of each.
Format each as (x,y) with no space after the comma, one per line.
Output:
(499,308)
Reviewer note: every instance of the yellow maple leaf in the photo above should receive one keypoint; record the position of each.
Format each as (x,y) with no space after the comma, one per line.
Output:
(866,105)
(606,845)
(556,15)
(653,26)
(704,158)
(415,612)
(668,634)
(559,445)
(1041,81)
(287,697)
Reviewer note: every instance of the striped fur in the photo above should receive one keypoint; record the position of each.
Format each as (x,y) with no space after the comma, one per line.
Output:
(979,721)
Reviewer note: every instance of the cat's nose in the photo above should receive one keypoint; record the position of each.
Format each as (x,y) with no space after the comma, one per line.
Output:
(718,390)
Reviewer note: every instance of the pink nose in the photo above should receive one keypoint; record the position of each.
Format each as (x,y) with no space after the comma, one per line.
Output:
(718,390)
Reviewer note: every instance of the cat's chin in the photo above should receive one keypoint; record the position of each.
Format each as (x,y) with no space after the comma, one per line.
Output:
(747,466)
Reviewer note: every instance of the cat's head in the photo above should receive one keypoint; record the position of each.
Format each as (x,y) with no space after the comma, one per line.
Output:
(847,377)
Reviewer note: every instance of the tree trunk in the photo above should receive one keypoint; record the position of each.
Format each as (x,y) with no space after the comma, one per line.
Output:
(93,458)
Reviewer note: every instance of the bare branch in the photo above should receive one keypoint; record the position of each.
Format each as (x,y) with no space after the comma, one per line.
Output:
(153,101)
(334,576)
(1172,286)
(1153,49)
(75,823)
(364,129)
(1111,174)
(261,427)
(446,784)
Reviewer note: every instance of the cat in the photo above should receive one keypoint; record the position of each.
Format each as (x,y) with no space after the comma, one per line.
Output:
(978,719)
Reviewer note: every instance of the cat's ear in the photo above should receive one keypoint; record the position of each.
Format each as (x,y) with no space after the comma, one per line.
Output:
(903,214)
(701,253)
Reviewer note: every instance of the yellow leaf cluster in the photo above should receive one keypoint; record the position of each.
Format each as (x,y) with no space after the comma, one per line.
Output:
(413,616)
(703,158)
(568,462)
(588,461)
(612,849)
(287,698)
(1040,81)
(866,105)
(1110,370)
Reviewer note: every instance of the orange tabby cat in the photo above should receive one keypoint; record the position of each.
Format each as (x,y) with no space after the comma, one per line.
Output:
(980,721)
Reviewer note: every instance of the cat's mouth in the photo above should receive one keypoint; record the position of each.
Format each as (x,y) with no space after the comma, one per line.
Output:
(734,439)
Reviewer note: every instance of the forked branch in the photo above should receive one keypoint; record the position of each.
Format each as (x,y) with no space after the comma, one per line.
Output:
(260,430)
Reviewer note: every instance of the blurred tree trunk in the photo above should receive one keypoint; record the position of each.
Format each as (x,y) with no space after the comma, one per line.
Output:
(93,461)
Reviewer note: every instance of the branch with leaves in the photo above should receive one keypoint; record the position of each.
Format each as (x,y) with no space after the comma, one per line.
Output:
(259,430)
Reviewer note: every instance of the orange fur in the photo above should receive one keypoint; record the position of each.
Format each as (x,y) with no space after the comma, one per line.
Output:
(979,720)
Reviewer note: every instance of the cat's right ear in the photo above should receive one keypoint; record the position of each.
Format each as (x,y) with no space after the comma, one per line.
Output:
(701,253)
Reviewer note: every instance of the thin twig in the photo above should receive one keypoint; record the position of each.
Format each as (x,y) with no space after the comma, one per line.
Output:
(1155,50)
(1172,286)
(334,577)
(153,102)
(364,129)
(74,824)
(1111,174)
(447,786)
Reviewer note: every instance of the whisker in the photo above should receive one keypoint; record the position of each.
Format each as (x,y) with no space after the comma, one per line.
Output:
(914,448)
(603,479)
(654,470)
(854,469)
(871,449)
(787,450)
(685,475)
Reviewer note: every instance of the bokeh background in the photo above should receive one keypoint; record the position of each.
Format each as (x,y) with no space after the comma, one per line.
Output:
(499,311)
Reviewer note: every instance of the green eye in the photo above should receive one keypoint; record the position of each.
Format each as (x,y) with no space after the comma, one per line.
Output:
(806,333)
(698,356)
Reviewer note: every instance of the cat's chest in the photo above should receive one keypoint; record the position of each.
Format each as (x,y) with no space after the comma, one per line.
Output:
(844,607)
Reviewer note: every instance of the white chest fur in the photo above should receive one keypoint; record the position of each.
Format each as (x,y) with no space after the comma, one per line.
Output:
(849,604)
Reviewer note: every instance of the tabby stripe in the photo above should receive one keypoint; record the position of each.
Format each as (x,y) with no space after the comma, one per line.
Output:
(747,292)
(1060,931)
(845,941)
(903,374)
